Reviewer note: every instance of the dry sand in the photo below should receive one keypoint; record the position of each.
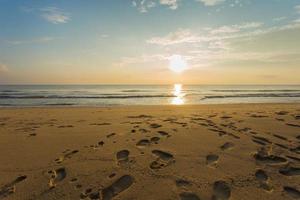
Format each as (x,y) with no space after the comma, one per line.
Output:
(219,152)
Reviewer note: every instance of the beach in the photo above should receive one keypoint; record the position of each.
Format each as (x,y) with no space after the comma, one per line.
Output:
(189,152)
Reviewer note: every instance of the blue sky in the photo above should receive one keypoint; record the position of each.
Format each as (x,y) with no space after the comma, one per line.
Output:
(132,41)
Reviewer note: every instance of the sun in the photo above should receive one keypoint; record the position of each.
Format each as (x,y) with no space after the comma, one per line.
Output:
(177,64)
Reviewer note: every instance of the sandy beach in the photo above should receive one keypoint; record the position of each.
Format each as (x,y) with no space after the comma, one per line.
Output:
(246,151)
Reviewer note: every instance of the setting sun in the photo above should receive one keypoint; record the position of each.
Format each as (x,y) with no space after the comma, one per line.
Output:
(177,64)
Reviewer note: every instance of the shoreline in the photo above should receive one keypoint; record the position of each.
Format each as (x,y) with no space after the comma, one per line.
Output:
(132,106)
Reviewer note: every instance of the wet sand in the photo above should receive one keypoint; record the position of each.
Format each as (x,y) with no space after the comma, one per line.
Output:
(248,151)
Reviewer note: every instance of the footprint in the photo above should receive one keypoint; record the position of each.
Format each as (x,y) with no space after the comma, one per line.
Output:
(73,180)
(94,196)
(163,133)
(10,188)
(66,156)
(282,113)
(221,191)
(281,145)
(112,175)
(182,183)
(290,171)
(261,175)
(188,196)
(269,159)
(296,149)
(212,159)
(78,186)
(155,140)
(155,125)
(122,156)
(225,117)
(164,159)
(117,187)
(262,139)
(143,143)
(280,137)
(227,146)
(110,135)
(101,143)
(293,158)
(293,125)
(163,155)
(292,192)
(88,193)
(263,179)
(57,176)
(140,116)
(259,142)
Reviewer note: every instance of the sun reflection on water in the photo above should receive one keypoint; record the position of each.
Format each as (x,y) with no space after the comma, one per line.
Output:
(178,98)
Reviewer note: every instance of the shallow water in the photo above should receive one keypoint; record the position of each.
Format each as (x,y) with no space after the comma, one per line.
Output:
(107,95)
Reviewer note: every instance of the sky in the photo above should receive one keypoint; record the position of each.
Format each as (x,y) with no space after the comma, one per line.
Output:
(138,41)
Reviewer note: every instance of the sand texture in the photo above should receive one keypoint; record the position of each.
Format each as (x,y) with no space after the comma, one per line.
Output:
(207,152)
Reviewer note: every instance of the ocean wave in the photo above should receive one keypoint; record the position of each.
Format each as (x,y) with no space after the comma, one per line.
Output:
(287,90)
(129,91)
(83,97)
(252,95)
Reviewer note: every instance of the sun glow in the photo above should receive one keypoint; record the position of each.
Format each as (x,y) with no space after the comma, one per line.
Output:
(177,92)
(177,64)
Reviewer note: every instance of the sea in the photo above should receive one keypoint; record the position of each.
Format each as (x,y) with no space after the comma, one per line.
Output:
(114,95)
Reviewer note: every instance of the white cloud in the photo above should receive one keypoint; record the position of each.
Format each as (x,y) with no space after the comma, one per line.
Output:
(172,4)
(213,35)
(223,33)
(144,5)
(297,20)
(211,2)
(297,8)
(277,19)
(3,68)
(214,46)
(55,15)
(102,36)
(178,37)
(236,28)
(32,41)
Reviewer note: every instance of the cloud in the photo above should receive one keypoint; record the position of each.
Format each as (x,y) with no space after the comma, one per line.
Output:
(32,41)
(207,35)
(277,19)
(211,2)
(55,15)
(144,5)
(51,14)
(236,28)
(216,45)
(297,8)
(172,4)
(224,33)
(178,37)
(3,68)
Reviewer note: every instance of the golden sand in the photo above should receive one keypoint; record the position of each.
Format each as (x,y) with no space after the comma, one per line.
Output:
(247,151)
